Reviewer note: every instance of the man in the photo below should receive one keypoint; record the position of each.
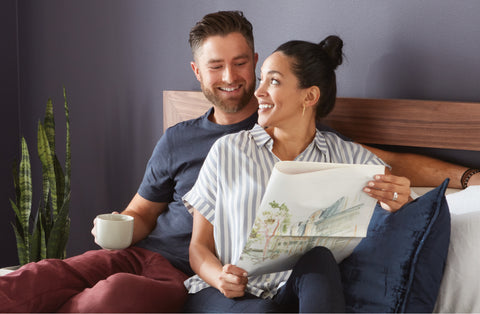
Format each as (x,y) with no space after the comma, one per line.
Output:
(149,276)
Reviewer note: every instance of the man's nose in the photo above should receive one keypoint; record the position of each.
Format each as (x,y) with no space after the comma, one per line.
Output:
(229,74)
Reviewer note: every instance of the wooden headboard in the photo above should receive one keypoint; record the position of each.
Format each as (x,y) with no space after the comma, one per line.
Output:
(416,123)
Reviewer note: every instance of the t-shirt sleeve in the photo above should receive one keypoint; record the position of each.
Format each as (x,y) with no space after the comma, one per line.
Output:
(203,195)
(158,184)
(325,128)
(351,152)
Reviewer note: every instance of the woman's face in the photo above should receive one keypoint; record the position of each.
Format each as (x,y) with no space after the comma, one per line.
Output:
(279,97)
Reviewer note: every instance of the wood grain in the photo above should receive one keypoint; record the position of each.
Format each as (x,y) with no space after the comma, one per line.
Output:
(417,123)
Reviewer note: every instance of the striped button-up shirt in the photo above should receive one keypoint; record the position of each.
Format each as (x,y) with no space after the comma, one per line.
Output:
(231,185)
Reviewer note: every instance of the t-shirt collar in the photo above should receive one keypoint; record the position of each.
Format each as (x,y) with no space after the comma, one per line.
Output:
(242,125)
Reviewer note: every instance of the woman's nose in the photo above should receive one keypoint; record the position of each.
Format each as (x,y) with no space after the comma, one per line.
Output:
(260,92)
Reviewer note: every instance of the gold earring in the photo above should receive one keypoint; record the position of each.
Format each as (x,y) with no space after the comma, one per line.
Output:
(303,113)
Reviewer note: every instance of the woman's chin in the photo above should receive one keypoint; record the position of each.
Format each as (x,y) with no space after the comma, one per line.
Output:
(262,123)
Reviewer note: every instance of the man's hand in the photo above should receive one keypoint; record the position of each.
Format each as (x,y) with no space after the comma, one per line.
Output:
(391,191)
(232,281)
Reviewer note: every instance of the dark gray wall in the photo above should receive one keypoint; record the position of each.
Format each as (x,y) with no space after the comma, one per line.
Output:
(9,126)
(115,57)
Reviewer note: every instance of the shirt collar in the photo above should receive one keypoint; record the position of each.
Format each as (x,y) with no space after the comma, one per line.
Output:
(262,138)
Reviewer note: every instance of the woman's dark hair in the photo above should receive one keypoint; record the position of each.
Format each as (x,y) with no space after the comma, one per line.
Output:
(314,65)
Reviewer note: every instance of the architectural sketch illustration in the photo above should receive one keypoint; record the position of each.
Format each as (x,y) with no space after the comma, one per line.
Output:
(303,208)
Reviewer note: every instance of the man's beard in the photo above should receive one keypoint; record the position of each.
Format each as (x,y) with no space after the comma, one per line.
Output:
(229,105)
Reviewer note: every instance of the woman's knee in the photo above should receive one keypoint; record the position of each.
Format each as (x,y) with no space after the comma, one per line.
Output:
(317,258)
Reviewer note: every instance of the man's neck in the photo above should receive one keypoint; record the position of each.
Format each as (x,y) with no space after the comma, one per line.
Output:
(226,118)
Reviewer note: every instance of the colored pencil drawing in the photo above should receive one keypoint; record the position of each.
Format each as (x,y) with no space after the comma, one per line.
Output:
(305,205)
(273,233)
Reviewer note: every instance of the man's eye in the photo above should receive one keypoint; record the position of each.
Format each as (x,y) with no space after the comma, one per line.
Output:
(217,67)
(241,63)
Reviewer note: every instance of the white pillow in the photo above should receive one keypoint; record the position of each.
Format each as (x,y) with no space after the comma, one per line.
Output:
(459,291)
(465,201)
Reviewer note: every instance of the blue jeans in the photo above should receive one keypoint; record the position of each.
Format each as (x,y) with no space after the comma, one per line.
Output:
(314,286)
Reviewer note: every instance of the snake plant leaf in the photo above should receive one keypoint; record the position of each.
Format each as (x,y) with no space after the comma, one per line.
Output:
(35,241)
(38,241)
(45,206)
(16,183)
(60,181)
(68,154)
(19,223)
(58,236)
(46,157)
(22,251)
(63,244)
(47,218)
(51,226)
(49,125)
(21,237)
(25,185)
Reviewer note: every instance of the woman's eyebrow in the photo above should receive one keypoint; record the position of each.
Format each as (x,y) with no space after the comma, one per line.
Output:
(272,72)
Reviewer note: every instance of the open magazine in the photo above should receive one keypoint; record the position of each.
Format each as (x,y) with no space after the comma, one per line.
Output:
(308,204)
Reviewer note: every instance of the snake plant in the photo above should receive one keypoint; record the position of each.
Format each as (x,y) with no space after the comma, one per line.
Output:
(43,234)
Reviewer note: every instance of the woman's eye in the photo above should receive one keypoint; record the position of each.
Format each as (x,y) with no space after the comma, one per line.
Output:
(274,82)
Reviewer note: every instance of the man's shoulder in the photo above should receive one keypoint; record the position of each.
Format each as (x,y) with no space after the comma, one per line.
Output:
(335,137)
(325,128)
(188,124)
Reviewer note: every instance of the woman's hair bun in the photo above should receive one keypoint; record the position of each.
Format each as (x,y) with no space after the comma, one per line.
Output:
(333,45)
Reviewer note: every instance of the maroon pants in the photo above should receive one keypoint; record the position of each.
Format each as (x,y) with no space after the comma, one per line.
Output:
(130,280)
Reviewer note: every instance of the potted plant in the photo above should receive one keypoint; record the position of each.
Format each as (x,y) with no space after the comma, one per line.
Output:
(43,233)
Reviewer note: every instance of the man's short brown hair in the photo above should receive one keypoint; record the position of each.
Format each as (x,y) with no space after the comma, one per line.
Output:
(220,23)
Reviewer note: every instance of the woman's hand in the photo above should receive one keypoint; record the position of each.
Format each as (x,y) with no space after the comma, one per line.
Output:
(229,279)
(391,191)
(232,281)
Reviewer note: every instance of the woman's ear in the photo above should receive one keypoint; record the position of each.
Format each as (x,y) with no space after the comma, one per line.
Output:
(312,96)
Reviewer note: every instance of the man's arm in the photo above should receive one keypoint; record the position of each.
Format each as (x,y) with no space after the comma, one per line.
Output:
(145,213)
(423,170)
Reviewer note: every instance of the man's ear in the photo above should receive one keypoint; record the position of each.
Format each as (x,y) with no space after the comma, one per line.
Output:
(312,96)
(195,70)
(255,59)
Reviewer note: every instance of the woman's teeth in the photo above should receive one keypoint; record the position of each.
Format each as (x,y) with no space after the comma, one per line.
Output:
(263,106)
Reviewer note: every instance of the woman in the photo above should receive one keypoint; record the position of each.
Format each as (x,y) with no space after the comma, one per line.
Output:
(297,87)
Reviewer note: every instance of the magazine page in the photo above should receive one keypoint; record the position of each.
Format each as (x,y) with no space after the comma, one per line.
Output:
(308,204)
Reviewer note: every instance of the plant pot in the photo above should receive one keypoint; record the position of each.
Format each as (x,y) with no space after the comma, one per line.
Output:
(9,269)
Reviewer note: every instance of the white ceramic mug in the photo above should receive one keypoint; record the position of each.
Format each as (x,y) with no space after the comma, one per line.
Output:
(114,231)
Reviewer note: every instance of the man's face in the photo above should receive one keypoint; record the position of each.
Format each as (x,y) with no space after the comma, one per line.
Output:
(225,68)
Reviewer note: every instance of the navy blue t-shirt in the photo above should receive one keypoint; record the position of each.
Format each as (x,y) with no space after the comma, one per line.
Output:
(171,172)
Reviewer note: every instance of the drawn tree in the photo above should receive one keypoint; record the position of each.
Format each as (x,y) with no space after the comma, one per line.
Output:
(271,221)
